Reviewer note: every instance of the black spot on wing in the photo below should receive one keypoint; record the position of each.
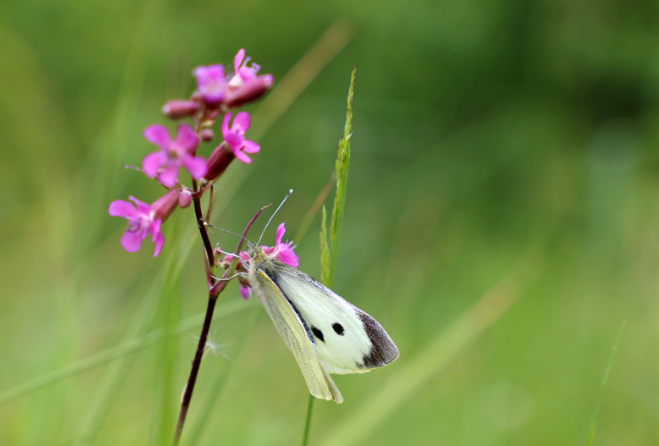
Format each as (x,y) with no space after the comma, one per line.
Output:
(318,333)
(338,328)
(383,350)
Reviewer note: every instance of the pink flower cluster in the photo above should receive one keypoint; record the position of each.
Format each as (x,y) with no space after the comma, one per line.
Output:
(215,95)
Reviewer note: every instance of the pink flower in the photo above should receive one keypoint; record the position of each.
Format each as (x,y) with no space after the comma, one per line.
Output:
(235,136)
(211,84)
(172,155)
(142,221)
(245,86)
(215,88)
(281,251)
(242,73)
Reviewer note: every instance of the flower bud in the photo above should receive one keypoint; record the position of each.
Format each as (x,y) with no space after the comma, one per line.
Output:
(185,198)
(249,91)
(218,162)
(163,207)
(178,109)
(207,135)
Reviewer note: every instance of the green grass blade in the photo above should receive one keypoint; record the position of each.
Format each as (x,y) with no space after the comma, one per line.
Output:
(307,422)
(342,167)
(598,401)
(328,254)
(325,255)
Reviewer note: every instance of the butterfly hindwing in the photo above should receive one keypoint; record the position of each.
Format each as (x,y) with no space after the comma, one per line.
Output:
(296,336)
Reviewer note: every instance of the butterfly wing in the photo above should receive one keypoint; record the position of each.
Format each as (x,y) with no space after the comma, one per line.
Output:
(295,334)
(347,339)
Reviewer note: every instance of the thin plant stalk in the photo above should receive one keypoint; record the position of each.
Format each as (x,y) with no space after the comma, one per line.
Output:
(329,251)
(214,291)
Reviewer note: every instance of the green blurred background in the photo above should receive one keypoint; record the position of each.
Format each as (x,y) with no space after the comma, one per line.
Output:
(501,222)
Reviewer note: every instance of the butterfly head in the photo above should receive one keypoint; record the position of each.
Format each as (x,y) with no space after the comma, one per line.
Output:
(256,252)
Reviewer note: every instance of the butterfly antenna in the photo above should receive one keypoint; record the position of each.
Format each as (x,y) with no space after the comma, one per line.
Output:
(225,230)
(274,213)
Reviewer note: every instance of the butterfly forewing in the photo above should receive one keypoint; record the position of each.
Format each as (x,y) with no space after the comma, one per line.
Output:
(347,339)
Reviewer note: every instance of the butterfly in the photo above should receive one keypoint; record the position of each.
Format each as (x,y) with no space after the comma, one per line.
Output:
(325,333)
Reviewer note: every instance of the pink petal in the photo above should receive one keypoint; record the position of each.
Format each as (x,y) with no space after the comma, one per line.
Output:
(288,257)
(186,138)
(247,74)
(152,162)
(142,207)
(159,240)
(244,291)
(242,157)
(215,73)
(238,60)
(281,230)
(196,165)
(251,147)
(157,134)
(225,124)
(209,76)
(121,208)
(131,241)
(234,140)
(168,176)
(201,74)
(242,121)
(155,227)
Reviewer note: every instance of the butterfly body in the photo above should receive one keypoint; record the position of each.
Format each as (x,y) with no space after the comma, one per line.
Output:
(325,333)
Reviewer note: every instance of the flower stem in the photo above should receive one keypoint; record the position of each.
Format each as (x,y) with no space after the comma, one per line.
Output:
(196,363)
(214,289)
(210,258)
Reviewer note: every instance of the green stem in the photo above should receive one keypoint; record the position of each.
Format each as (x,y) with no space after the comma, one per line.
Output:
(307,423)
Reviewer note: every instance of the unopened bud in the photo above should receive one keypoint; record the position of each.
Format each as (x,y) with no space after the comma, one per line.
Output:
(165,205)
(249,91)
(218,162)
(207,135)
(185,198)
(178,109)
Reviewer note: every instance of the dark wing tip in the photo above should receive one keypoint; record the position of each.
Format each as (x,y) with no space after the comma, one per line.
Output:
(383,350)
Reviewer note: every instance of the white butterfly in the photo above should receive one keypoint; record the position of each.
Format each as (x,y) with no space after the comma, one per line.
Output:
(325,333)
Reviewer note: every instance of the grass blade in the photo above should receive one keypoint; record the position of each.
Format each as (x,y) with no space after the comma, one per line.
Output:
(342,167)
(328,254)
(598,401)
